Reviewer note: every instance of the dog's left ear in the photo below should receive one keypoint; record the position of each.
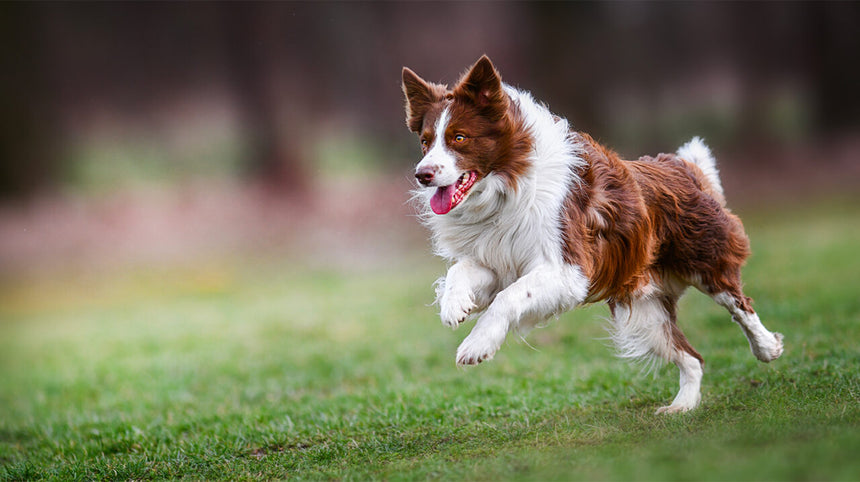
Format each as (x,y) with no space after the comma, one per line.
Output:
(482,85)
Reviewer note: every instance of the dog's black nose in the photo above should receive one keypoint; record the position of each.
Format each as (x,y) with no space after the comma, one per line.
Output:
(425,175)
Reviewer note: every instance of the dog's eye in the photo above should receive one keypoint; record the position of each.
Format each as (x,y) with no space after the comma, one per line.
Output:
(459,138)
(424,143)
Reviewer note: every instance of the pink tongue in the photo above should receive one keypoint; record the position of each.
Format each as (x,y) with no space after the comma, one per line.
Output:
(442,200)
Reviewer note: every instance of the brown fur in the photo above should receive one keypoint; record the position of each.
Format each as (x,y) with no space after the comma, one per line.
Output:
(679,341)
(641,231)
(421,97)
(635,221)
(496,140)
(607,230)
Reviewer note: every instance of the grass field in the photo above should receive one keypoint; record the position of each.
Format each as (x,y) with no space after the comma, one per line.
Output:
(264,369)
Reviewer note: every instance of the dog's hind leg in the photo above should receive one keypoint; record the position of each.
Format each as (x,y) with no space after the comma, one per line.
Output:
(765,345)
(645,328)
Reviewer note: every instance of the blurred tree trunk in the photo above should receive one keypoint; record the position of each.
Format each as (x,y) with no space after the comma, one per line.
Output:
(255,58)
(564,32)
(27,124)
(833,64)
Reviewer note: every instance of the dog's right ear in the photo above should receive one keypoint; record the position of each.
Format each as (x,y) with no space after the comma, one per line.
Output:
(420,95)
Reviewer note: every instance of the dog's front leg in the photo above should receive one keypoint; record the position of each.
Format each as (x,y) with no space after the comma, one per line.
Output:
(467,287)
(542,292)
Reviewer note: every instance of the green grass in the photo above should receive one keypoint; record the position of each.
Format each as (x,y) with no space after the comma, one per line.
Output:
(261,369)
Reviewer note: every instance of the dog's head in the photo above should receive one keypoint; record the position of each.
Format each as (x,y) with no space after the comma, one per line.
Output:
(467,133)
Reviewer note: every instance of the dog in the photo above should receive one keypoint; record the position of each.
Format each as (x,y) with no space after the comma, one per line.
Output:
(536,219)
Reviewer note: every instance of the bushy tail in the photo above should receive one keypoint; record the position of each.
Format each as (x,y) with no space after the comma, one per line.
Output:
(697,152)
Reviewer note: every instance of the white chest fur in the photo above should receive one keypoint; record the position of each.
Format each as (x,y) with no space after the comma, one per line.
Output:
(509,229)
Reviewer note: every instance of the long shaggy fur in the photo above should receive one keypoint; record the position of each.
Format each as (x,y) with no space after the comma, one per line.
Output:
(542,218)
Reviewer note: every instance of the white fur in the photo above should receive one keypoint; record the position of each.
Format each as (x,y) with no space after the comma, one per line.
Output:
(638,331)
(540,293)
(697,152)
(690,394)
(506,243)
(439,157)
(468,287)
(505,246)
(765,345)
(641,332)
(512,231)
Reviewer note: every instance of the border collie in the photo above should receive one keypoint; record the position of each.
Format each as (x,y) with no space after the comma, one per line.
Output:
(536,219)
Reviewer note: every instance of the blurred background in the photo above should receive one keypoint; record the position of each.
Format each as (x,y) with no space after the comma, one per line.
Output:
(164,133)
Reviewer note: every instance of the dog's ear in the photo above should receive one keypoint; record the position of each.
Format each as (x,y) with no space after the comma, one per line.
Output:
(420,95)
(482,86)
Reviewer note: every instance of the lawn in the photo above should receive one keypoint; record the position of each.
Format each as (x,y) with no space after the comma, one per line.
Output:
(262,368)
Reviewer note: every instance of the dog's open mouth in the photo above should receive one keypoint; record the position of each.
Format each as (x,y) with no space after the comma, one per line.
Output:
(447,197)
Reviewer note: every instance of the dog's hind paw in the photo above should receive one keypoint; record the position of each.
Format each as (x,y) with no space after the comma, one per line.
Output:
(769,350)
(670,409)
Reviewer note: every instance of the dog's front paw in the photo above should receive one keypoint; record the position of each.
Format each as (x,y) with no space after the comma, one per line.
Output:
(477,348)
(454,308)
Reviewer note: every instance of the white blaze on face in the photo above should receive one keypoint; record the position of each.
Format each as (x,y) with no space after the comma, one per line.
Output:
(439,158)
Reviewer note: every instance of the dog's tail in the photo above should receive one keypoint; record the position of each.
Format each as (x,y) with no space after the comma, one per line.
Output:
(697,152)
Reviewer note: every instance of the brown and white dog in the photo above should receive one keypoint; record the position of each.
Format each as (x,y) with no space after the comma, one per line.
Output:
(537,219)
